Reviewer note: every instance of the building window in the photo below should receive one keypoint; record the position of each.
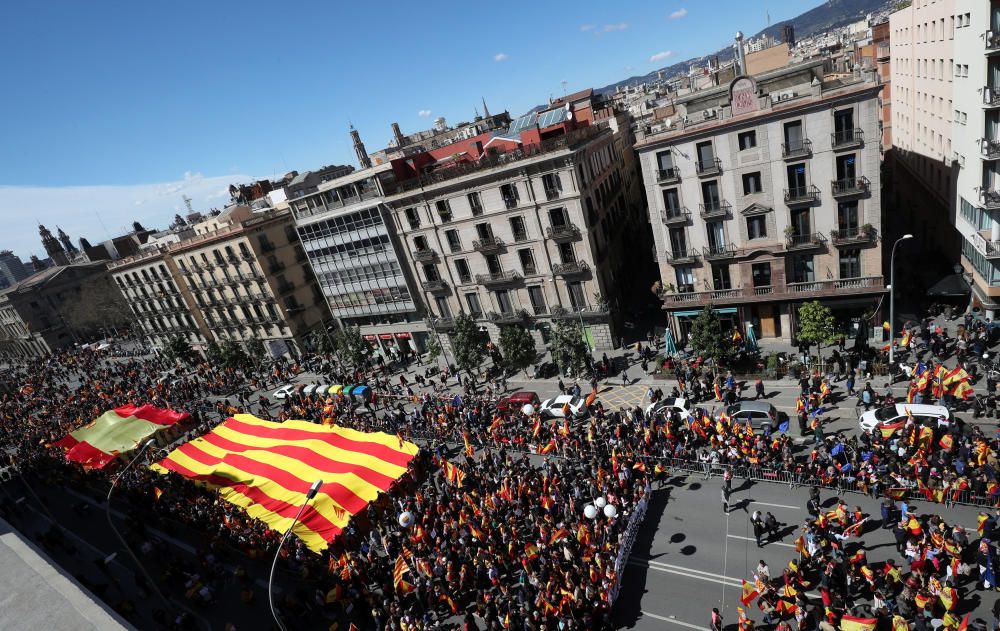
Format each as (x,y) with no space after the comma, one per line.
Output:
(509,194)
(552,185)
(475,308)
(476,203)
(577,300)
(454,243)
(431,272)
(537,297)
(527,262)
(503,301)
(850,263)
(517,229)
(412,217)
(665,161)
(752,183)
(444,209)
(803,270)
(420,243)
(684,275)
(720,277)
(442,306)
(671,201)
(756,227)
(484,231)
(462,269)
(566,253)
(493,264)
(761,274)
(747,139)
(847,218)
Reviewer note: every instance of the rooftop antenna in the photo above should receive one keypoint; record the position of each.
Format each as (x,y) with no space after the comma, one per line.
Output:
(563,82)
(187,202)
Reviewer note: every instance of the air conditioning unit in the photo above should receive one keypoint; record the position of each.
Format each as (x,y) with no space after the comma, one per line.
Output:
(712,113)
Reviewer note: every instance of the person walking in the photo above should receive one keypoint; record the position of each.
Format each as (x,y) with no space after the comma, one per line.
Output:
(716,624)
(725,500)
(758,527)
(759,386)
(624,376)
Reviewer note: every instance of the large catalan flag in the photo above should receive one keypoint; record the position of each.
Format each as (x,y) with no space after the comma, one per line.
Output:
(116,432)
(267,469)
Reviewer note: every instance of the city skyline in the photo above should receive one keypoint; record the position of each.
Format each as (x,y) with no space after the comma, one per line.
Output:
(180,128)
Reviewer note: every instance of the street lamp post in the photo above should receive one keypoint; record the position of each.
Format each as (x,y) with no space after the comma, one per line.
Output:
(111,523)
(892,292)
(313,490)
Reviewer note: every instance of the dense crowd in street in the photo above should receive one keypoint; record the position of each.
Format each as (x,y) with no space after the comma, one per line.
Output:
(500,528)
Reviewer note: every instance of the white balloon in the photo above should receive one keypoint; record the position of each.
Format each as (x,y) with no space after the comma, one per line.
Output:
(590,511)
(600,502)
(405,519)
(528,409)
(610,511)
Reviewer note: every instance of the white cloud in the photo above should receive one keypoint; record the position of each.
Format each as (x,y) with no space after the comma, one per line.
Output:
(499,57)
(661,56)
(587,27)
(629,68)
(100,212)
(678,14)
(424,113)
(609,28)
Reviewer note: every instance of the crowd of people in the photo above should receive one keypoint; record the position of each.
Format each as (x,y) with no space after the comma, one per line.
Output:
(497,498)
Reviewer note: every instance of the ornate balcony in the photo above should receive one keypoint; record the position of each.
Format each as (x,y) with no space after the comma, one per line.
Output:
(847,139)
(673,216)
(851,186)
(489,245)
(710,167)
(989,199)
(992,42)
(990,149)
(801,195)
(715,210)
(991,96)
(498,278)
(570,269)
(434,286)
(566,232)
(797,291)
(723,251)
(852,236)
(443,324)
(587,312)
(795,150)
(424,256)
(508,317)
(676,257)
(668,176)
(805,241)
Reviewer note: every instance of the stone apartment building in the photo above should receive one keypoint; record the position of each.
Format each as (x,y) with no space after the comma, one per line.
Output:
(764,193)
(527,225)
(241,276)
(59,307)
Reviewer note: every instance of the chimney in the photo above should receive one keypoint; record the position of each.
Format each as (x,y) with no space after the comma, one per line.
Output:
(397,134)
(359,149)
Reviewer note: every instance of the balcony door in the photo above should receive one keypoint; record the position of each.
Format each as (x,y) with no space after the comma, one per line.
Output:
(484,231)
(797,178)
(794,136)
(710,194)
(706,154)
(493,264)
(846,167)
(716,236)
(843,124)
(720,277)
(678,241)
(576,298)
(566,254)
(503,301)
(847,218)
(557,217)
(671,201)
(665,160)
(800,222)
(444,309)
(761,274)
(685,279)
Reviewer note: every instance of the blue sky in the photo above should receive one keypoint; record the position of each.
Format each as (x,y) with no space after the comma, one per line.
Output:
(120,108)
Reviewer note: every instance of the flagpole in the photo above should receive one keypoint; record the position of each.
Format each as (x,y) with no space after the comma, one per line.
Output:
(270,580)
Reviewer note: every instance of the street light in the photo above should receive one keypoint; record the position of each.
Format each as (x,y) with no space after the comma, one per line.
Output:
(111,523)
(313,490)
(892,291)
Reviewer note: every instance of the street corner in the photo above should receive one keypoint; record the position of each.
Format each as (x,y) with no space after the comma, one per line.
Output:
(617,396)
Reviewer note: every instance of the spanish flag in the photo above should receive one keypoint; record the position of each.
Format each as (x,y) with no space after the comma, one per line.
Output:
(946,442)
(889,429)
(899,624)
(536,427)
(962,390)
(921,600)
(157,492)
(549,447)
(749,593)
(982,517)
(589,401)
(851,623)
(907,336)
(737,338)
(558,536)
(718,392)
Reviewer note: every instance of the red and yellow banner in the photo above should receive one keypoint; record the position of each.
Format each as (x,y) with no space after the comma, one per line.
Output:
(267,468)
(116,432)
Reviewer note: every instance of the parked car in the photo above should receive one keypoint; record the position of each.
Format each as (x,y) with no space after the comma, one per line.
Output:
(759,413)
(932,415)
(284,392)
(516,401)
(553,408)
(670,404)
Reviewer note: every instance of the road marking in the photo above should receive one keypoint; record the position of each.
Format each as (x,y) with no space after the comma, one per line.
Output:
(776,505)
(770,543)
(685,571)
(673,621)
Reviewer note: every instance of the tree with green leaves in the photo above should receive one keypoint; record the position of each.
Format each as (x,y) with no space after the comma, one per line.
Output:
(468,343)
(179,349)
(351,346)
(816,326)
(518,348)
(434,349)
(233,354)
(707,338)
(214,353)
(256,351)
(569,350)
(321,342)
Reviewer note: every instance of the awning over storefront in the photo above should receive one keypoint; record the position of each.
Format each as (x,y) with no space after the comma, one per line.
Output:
(693,314)
(951,286)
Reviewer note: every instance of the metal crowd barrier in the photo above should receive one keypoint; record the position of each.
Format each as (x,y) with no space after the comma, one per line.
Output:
(628,539)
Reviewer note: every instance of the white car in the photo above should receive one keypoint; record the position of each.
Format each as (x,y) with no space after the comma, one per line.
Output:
(923,414)
(553,408)
(284,392)
(670,404)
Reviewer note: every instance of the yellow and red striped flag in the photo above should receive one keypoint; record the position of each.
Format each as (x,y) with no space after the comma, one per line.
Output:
(852,623)
(267,469)
(398,571)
